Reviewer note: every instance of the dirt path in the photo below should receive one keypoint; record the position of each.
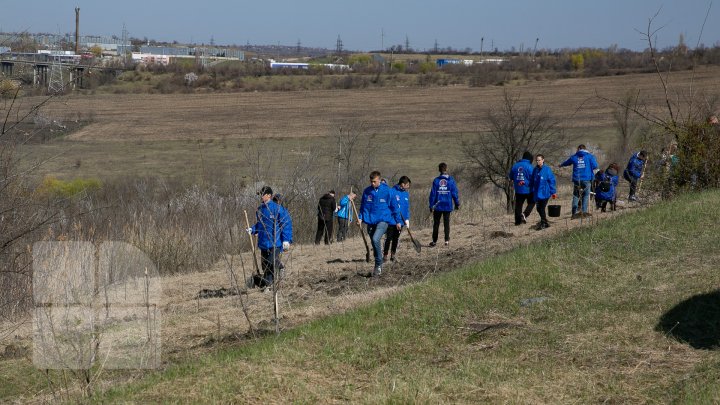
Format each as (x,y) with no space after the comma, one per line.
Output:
(324,280)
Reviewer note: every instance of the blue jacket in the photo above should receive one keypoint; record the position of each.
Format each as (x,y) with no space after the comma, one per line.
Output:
(345,211)
(543,183)
(583,163)
(613,180)
(378,206)
(273,227)
(520,175)
(635,166)
(443,193)
(402,199)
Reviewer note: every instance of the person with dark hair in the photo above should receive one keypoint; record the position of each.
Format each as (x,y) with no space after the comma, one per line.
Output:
(274,231)
(345,215)
(584,166)
(520,175)
(443,195)
(634,172)
(543,188)
(326,213)
(379,212)
(402,200)
(605,187)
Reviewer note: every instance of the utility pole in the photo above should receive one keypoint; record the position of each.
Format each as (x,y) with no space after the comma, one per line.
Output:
(77,30)
(535,48)
(481,45)
(382,39)
(407,44)
(298,50)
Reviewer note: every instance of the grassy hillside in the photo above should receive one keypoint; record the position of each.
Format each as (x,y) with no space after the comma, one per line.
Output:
(596,315)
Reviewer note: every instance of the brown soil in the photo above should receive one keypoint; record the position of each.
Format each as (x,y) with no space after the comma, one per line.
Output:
(387,110)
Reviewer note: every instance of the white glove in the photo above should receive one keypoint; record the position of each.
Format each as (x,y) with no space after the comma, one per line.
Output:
(407,223)
(286,245)
(249,231)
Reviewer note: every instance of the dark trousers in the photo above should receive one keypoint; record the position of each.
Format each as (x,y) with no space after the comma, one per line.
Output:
(541,205)
(633,183)
(391,240)
(342,229)
(325,229)
(519,201)
(436,224)
(270,261)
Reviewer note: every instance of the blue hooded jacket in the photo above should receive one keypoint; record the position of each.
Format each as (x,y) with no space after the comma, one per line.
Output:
(635,166)
(521,174)
(402,200)
(610,178)
(378,206)
(443,194)
(345,211)
(273,227)
(543,183)
(584,165)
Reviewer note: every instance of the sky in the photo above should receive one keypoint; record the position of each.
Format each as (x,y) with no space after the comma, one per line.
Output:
(365,25)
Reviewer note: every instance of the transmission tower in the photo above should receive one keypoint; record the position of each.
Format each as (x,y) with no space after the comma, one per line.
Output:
(407,44)
(299,48)
(55,84)
(339,46)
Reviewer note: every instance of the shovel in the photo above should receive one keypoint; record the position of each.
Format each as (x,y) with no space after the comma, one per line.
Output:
(257,278)
(367,247)
(413,240)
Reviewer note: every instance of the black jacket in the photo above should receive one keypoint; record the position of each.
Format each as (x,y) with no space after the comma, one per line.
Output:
(326,207)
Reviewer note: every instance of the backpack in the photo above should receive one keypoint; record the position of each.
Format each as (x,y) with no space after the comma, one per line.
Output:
(605,185)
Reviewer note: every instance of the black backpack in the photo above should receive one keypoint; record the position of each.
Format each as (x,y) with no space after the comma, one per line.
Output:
(605,184)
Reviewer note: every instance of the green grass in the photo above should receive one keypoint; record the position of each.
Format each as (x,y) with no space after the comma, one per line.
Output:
(593,340)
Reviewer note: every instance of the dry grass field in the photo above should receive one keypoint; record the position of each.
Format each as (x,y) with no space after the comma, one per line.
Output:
(437,110)
(207,135)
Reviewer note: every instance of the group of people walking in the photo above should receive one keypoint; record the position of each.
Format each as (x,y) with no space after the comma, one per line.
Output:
(385,210)
(535,186)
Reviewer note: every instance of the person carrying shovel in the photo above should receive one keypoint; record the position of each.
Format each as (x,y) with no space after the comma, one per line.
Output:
(443,195)
(274,231)
(378,211)
(402,200)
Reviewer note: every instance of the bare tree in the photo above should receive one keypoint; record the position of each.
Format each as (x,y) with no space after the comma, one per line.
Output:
(514,128)
(352,153)
(626,122)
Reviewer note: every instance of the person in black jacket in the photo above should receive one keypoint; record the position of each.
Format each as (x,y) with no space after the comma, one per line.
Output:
(326,212)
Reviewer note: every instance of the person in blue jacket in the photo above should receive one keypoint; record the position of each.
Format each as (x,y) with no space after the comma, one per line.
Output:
(584,167)
(443,195)
(274,234)
(634,172)
(520,175)
(378,212)
(543,188)
(605,187)
(344,215)
(402,200)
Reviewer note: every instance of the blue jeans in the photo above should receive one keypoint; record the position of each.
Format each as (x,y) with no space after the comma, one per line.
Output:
(376,233)
(581,187)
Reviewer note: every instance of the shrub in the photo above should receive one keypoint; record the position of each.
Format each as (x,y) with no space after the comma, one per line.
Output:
(53,187)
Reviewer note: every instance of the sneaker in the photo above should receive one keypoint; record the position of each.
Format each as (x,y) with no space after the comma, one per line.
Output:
(632,198)
(587,214)
(385,258)
(524,218)
(447,243)
(543,225)
(575,216)
(377,272)
(392,258)
(432,244)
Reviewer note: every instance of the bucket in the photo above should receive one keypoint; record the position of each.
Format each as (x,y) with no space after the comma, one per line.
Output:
(554,210)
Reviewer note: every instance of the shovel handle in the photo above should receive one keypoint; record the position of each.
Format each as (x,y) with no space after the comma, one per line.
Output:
(252,244)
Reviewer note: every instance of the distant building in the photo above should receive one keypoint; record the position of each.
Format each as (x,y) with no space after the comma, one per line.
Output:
(185,51)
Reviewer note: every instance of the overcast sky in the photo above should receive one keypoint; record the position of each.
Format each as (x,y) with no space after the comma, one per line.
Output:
(361,23)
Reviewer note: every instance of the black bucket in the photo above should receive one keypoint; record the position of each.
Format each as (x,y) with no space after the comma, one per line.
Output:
(554,210)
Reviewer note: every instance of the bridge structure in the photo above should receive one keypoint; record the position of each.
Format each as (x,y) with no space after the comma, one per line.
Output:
(46,67)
